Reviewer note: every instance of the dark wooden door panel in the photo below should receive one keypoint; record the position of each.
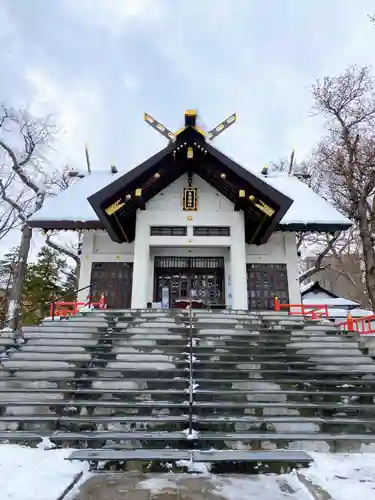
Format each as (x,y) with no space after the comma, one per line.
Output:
(115,280)
(198,278)
(264,282)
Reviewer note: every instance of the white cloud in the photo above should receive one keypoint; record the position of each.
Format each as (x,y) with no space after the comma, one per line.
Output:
(264,73)
(76,106)
(112,15)
(131,83)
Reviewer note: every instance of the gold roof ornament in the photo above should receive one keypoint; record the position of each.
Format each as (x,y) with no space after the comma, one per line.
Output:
(213,133)
(168,134)
(114,207)
(190,120)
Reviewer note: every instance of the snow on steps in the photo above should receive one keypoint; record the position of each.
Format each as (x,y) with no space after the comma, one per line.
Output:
(127,356)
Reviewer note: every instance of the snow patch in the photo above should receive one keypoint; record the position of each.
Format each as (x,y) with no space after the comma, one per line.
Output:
(35,473)
(344,476)
(158,485)
(191,435)
(115,384)
(199,467)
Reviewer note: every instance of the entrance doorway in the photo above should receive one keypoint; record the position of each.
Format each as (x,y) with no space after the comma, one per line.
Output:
(264,283)
(115,280)
(200,279)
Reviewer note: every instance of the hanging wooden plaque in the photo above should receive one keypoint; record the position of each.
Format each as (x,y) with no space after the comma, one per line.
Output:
(190,199)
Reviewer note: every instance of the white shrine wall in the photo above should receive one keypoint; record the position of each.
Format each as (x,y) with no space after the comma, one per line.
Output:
(213,210)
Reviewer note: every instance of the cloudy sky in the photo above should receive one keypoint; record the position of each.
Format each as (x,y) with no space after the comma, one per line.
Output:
(97,65)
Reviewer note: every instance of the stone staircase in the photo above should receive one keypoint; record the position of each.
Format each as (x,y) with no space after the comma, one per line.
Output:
(146,385)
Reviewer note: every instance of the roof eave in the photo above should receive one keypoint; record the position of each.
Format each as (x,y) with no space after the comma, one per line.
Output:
(65,224)
(111,189)
(97,224)
(315,227)
(259,184)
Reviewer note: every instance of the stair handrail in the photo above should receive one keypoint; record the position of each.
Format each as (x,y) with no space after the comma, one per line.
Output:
(304,309)
(15,319)
(191,379)
(361,325)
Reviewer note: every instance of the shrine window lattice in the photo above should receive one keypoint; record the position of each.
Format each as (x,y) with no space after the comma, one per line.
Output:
(211,231)
(168,231)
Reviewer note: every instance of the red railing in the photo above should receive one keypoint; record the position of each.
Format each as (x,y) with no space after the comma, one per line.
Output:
(64,308)
(364,325)
(316,311)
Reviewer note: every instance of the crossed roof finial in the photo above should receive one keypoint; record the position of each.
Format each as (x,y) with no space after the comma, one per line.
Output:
(190,121)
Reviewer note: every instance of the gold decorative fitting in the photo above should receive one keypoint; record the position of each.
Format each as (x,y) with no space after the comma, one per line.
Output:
(159,127)
(222,126)
(200,131)
(190,153)
(157,175)
(223,176)
(114,207)
(190,118)
(189,217)
(241,193)
(262,206)
(138,192)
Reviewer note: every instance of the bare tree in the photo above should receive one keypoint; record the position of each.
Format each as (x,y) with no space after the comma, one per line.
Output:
(346,155)
(340,264)
(324,247)
(324,243)
(8,215)
(72,252)
(24,141)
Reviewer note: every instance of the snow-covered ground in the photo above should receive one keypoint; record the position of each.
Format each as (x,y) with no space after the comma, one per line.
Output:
(42,474)
(35,473)
(342,476)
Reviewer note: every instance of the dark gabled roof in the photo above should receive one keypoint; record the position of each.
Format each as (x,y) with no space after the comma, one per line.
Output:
(156,173)
(292,205)
(316,287)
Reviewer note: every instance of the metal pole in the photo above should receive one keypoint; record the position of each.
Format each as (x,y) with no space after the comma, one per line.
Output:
(90,292)
(191,381)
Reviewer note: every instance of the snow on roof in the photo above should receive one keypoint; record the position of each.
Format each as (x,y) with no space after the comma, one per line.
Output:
(308,207)
(343,313)
(308,286)
(72,204)
(329,301)
(324,296)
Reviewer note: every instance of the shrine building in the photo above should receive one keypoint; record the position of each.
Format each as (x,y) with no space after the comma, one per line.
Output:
(190,223)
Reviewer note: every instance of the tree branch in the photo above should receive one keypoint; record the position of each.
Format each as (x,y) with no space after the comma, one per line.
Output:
(17,167)
(310,272)
(15,206)
(62,249)
(318,265)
